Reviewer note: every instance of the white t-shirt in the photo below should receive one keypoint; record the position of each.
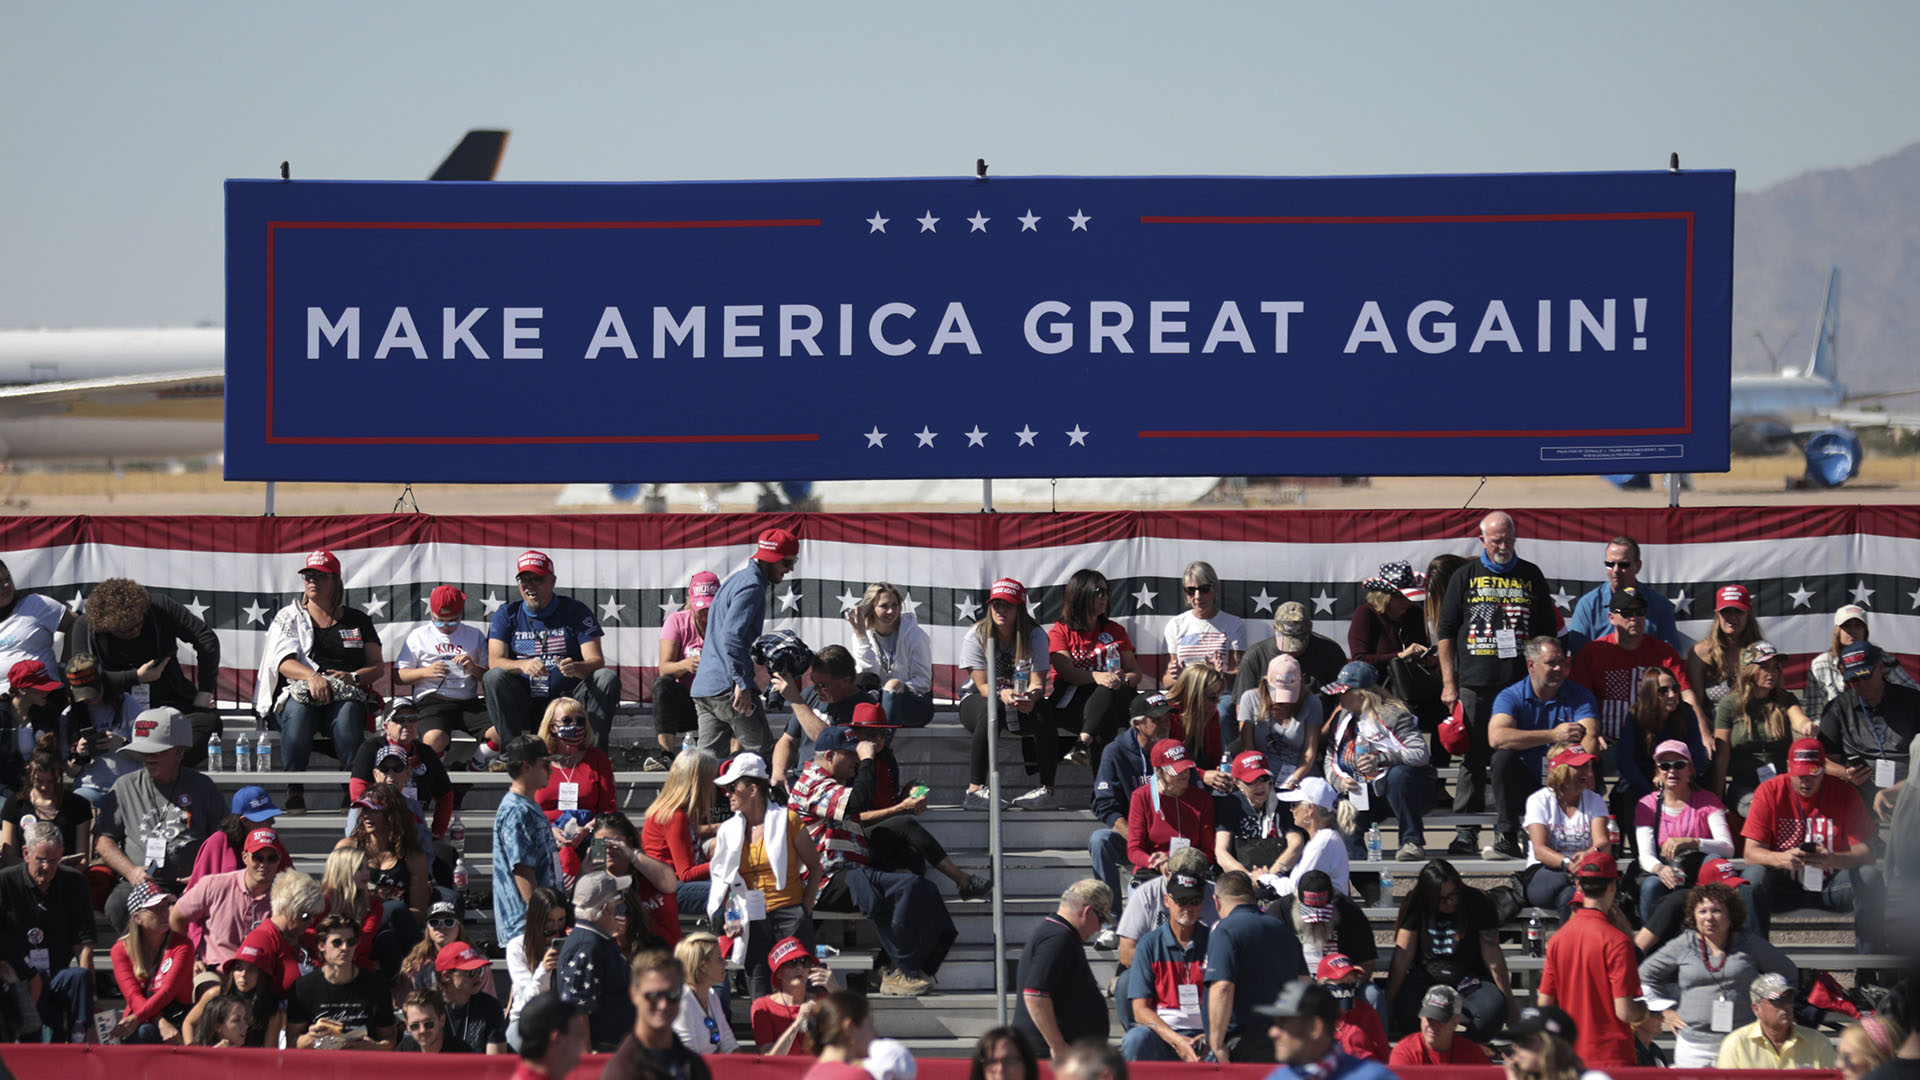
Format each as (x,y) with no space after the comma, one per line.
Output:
(1570,834)
(427,646)
(1325,850)
(1189,639)
(27,634)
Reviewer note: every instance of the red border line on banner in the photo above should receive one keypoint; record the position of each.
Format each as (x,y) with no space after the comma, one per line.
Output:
(507,440)
(1457,219)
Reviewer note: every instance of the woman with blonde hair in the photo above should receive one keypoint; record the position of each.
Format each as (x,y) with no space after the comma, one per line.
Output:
(1283,722)
(154,970)
(893,654)
(1195,721)
(1714,661)
(1866,1044)
(1563,820)
(1825,681)
(1328,820)
(703,1024)
(1378,757)
(417,969)
(678,827)
(580,783)
(1754,726)
(347,885)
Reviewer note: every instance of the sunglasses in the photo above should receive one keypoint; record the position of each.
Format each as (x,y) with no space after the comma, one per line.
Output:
(1197,590)
(657,998)
(1620,564)
(438,621)
(266,856)
(444,922)
(1099,590)
(1670,765)
(423,1025)
(1669,689)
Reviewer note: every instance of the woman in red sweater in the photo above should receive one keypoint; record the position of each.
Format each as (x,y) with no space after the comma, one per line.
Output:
(680,823)
(154,968)
(581,784)
(1168,810)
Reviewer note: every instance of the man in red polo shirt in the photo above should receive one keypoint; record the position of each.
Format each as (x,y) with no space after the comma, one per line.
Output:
(1809,845)
(1590,971)
(1438,1041)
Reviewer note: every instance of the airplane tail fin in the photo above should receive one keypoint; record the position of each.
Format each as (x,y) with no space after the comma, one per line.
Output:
(1825,361)
(476,158)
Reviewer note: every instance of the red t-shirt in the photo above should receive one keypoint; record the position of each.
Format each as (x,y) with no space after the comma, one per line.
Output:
(1089,651)
(269,950)
(1361,1034)
(1149,829)
(1614,674)
(1211,752)
(771,1020)
(672,842)
(1413,1050)
(594,774)
(1589,963)
(169,982)
(1836,816)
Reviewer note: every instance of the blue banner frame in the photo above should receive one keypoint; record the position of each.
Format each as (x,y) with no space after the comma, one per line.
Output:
(1009,327)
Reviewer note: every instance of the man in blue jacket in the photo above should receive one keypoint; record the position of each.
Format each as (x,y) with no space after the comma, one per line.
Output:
(1123,765)
(726,697)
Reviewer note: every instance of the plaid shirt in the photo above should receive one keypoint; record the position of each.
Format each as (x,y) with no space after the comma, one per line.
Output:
(821,801)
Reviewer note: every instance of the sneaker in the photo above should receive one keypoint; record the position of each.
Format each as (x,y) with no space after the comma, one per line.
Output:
(657,761)
(978,887)
(1040,798)
(1503,847)
(1078,755)
(1466,840)
(977,799)
(296,800)
(1411,852)
(1108,938)
(901,984)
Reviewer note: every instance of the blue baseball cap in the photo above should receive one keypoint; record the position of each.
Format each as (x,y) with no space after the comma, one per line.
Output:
(1358,675)
(838,737)
(254,804)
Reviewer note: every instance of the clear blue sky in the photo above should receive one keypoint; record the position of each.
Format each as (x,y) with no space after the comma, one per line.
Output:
(122,119)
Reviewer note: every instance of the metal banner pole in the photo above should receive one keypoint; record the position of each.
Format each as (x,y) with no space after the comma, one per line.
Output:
(986,496)
(994,853)
(268,512)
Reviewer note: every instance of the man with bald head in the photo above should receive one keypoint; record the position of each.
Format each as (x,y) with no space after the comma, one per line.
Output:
(1493,605)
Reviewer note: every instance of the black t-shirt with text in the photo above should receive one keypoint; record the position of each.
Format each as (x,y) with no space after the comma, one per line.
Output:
(363,1003)
(343,646)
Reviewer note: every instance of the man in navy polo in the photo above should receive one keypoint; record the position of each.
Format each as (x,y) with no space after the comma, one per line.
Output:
(726,696)
(1540,711)
(543,646)
(1166,985)
(1250,956)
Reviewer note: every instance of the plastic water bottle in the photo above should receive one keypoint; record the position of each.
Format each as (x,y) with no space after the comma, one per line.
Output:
(242,753)
(216,754)
(1113,659)
(1373,842)
(1022,674)
(1534,937)
(1386,885)
(460,876)
(457,834)
(263,754)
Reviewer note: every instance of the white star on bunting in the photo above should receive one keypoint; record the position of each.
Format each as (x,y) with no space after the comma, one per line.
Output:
(199,609)
(876,437)
(1801,595)
(610,611)
(493,603)
(978,222)
(77,602)
(847,601)
(1322,602)
(1683,604)
(976,437)
(909,606)
(966,608)
(1861,594)
(1026,435)
(254,613)
(1262,603)
(925,436)
(1562,599)
(1030,223)
(789,600)
(1915,597)
(1079,220)
(667,608)
(1033,610)
(928,222)
(374,606)
(1143,598)
(877,223)
(1076,437)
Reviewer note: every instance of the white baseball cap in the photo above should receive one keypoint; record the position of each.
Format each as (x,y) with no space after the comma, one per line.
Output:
(1313,790)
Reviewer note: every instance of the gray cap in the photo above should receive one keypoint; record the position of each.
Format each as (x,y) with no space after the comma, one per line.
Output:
(1441,1003)
(158,730)
(594,891)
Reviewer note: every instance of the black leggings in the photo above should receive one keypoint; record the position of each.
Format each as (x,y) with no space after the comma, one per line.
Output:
(1097,711)
(1039,740)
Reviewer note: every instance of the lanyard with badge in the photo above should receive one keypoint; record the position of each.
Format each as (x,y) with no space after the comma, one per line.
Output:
(1883,766)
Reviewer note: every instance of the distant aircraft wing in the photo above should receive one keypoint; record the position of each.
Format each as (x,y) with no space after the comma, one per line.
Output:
(476,158)
(1865,418)
(174,395)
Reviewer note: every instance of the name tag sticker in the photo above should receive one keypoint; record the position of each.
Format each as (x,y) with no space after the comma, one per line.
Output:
(1765,772)
(156,851)
(755,903)
(1723,1015)
(1361,797)
(1506,643)
(1883,773)
(1812,878)
(569,796)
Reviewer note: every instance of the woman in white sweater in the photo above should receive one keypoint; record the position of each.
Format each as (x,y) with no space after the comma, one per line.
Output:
(533,955)
(892,654)
(703,1024)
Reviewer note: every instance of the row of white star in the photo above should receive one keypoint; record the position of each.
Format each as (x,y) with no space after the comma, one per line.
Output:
(1263,602)
(1028,223)
(878,439)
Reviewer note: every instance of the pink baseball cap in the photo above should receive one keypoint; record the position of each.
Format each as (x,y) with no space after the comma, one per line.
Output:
(1673,746)
(701,590)
(1283,678)
(533,562)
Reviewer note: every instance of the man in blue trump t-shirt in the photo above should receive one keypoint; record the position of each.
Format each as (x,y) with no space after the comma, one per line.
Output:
(541,647)
(1302,1021)
(726,697)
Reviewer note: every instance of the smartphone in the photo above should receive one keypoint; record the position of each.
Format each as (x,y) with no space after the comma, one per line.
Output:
(597,853)
(1809,847)
(919,791)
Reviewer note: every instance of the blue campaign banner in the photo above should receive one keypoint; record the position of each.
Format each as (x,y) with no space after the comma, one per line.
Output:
(1007,327)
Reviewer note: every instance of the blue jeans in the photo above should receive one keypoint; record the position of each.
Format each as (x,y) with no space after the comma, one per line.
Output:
(347,720)
(1409,794)
(1549,888)
(1108,849)
(1860,890)
(66,1004)
(906,708)
(691,898)
(1652,891)
(1142,1043)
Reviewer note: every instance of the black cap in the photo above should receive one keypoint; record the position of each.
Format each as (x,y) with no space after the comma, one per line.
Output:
(544,1017)
(1152,703)
(1537,1018)
(1303,997)
(525,750)
(1185,888)
(1627,599)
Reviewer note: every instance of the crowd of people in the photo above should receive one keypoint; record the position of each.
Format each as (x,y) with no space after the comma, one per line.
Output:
(1663,798)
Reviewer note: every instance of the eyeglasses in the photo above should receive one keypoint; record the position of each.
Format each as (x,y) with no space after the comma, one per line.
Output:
(445,922)
(1197,590)
(423,1025)
(657,998)
(1621,564)
(1670,765)
(340,943)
